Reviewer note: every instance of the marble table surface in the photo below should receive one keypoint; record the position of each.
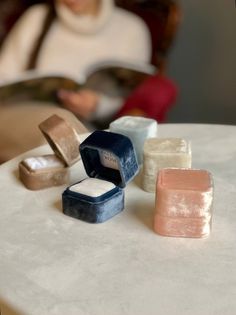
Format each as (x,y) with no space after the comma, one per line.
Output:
(51,264)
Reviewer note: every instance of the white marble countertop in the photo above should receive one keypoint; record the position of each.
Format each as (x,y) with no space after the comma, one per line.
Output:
(51,264)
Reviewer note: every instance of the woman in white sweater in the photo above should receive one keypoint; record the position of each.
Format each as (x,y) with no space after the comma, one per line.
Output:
(84,32)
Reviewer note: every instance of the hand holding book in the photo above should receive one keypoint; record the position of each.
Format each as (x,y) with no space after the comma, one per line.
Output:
(82,103)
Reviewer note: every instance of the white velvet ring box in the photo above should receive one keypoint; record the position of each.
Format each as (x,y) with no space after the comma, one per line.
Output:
(52,170)
(138,129)
(110,162)
(162,153)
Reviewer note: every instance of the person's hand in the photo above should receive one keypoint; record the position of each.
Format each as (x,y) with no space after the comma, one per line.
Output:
(135,112)
(82,103)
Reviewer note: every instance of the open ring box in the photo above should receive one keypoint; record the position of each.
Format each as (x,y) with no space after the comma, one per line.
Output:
(52,169)
(110,162)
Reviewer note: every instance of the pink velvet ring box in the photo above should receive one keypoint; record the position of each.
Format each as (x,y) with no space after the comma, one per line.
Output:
(184,199)
(52,170)
(159,153)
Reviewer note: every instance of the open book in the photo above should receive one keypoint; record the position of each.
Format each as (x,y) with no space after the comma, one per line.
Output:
(112,78)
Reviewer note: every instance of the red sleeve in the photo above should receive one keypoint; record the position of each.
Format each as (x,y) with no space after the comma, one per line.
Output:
(155,96)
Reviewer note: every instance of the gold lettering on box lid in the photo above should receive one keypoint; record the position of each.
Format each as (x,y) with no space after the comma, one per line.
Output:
(107,159)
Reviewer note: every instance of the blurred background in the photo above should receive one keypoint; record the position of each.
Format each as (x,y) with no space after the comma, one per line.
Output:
(203,63)
(200,57)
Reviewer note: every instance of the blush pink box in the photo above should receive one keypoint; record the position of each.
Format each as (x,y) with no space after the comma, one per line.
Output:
(184,200)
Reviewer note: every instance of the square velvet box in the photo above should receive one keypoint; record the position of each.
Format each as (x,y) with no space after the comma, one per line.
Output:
(43,172)
(138,129)
(184,200)
(110,161)
(161,153)
(51,170)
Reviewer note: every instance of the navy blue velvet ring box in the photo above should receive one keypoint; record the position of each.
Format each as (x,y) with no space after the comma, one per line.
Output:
(110,162)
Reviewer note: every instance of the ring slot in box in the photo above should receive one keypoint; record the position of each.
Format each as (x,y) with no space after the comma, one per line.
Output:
(43,172)
(109,160)
(51,170)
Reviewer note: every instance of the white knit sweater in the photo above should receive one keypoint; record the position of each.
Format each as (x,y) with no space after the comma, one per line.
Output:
(123,36)
(75,42)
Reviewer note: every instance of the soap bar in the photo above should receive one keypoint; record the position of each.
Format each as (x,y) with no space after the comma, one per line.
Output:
(159,153)
(62,138)
(93,200)
(138,129)
(43,172)
(184,199)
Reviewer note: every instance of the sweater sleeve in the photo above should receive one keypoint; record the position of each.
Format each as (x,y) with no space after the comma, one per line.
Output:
(17,46)
(107,107)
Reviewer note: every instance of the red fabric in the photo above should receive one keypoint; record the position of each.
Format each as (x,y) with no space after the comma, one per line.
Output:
(154,97)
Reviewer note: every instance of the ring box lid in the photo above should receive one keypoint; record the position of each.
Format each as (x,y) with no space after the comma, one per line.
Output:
(184,193)
(62,138)
(157,146)
(109,156)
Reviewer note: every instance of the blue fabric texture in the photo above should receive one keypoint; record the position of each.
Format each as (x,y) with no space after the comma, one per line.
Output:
(120,147)
(93,210)
(125,167)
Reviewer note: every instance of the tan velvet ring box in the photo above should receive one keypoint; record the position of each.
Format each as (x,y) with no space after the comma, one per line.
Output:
(52,170)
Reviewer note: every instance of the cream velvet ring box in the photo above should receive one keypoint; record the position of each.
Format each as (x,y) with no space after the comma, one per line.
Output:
(52,170)
(138,129)
(110,162)
(184,199)
(161,153)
